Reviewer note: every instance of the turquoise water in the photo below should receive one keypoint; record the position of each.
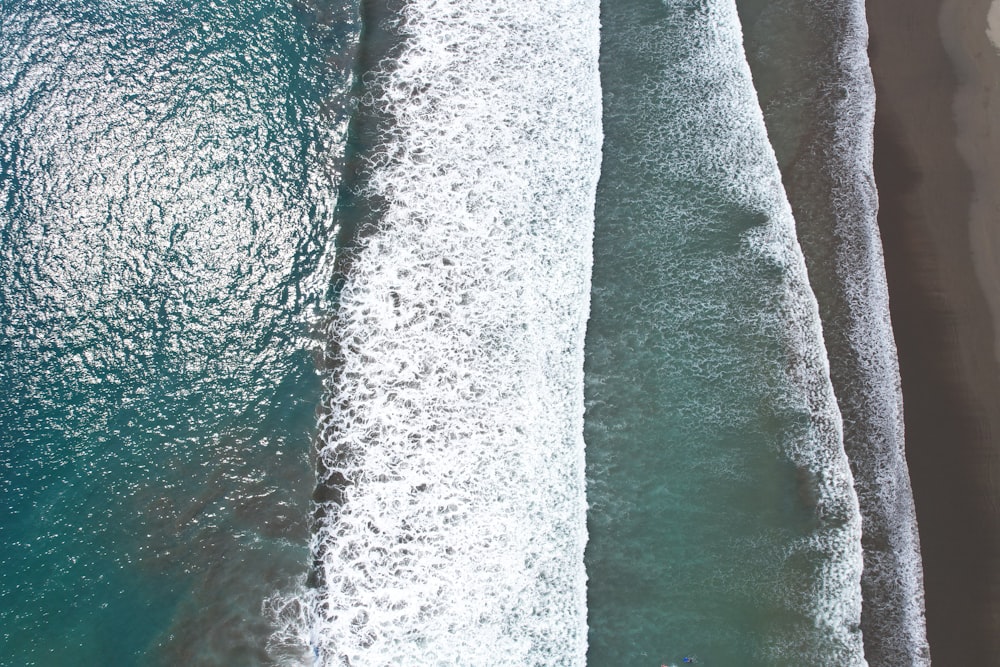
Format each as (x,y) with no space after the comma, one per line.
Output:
(168,173)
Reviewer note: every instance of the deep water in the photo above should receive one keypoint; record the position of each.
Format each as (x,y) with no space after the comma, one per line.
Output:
(168,172)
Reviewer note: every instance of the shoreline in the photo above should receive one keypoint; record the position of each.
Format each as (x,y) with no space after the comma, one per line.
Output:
(933,147)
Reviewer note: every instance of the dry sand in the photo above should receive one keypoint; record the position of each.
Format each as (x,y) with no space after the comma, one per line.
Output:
(937,166)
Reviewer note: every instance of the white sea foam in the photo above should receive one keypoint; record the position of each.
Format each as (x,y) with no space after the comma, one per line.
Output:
(836,603)
(829,175)
(714,78)
(456,410)
(894,594)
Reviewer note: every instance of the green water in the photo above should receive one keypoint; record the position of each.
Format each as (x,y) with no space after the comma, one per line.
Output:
(169,172)
(706,508)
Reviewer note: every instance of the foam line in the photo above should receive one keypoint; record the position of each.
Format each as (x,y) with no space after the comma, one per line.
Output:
(455,413)
(869,369)
(819,95)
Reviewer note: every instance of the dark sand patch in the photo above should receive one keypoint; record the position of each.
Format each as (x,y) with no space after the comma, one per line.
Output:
(944,329)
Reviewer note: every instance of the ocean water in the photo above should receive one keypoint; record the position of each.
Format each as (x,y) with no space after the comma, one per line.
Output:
(723,518)
(446,332)
(168,174)
(819,107)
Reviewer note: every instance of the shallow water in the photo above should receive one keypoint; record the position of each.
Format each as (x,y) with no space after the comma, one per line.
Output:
(722,518)
(814,83)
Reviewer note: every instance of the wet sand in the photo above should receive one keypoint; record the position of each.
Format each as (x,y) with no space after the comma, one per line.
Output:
(937,164)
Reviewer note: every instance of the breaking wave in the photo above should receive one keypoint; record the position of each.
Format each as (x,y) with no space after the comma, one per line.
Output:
(723,371)
(819,95)
(453,526)
(893,577)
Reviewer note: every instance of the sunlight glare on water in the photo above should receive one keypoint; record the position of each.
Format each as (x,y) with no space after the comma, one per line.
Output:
(168,173)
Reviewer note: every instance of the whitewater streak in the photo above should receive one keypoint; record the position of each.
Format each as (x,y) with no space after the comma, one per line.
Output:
(866,370)
(454,424)
(821,106)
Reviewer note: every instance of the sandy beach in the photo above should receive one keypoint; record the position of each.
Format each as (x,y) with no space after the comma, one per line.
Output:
(937,166)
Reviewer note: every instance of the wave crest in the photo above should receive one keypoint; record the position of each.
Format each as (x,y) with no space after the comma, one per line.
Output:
(452,430)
